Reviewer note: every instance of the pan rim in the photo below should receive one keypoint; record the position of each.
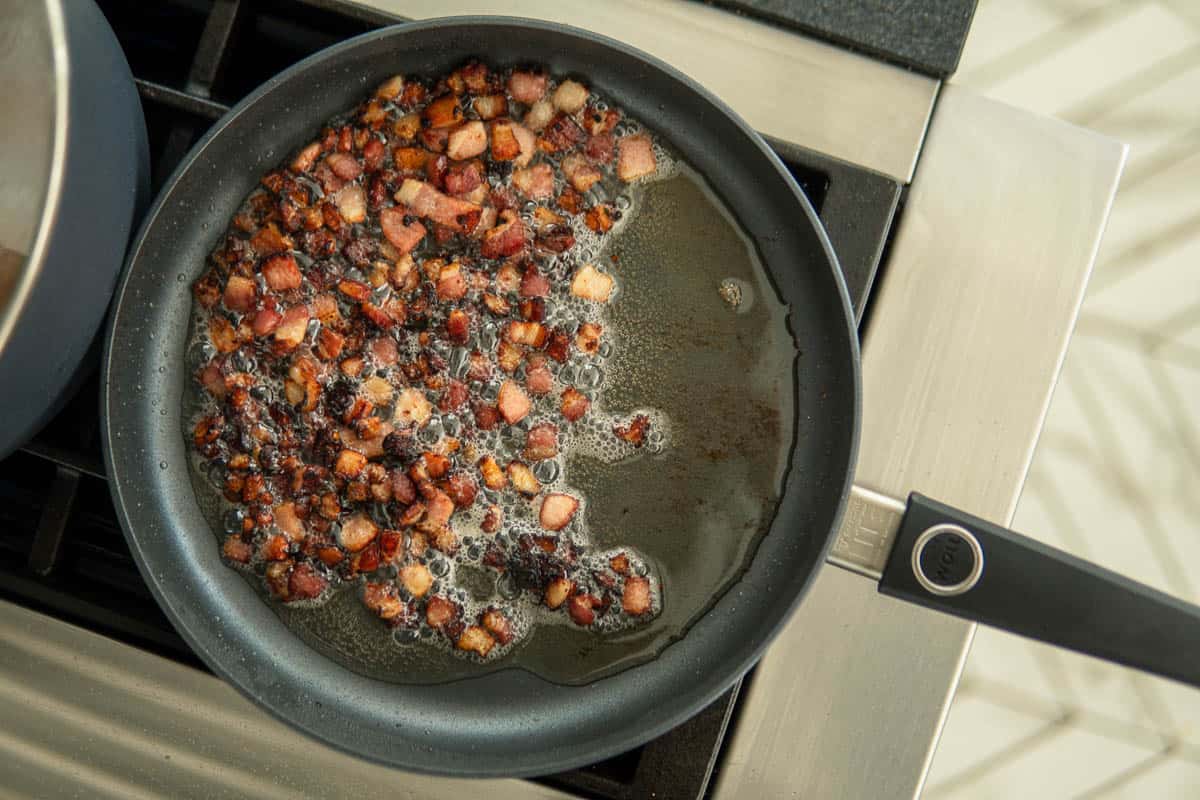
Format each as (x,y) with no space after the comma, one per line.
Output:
(536,763)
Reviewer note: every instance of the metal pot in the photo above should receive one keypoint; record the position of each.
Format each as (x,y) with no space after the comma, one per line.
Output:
(73,170)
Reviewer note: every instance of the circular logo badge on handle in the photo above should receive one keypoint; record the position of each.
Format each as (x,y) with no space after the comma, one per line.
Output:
(947,560)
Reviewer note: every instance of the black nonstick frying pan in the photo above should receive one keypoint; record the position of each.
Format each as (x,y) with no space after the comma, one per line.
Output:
(511,722)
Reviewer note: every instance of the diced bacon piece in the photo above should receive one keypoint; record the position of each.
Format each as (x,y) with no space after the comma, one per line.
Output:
(479,367)
(282,273)
(351,202)
(492,519)
(557,592)
(600,148)
(416,579)
(536,182)
(580,172)
(587,339)
(355,290)
(426,201)
(579,609)
(291,329)
(597,122)
(458,326)
(463,179)
(508,279)
(574,404)
(443,112)
(357,532)
(467,141)
(287,522)
(235,549)
(544,219)
(506,239)
(539,380)
(526,86)
(534,284)
(539,115)
(383,600)
(635,599)
(304,160)
(513,403)
(391,88)
(619,564)
(592,284)
(371,447)
(493,476)
(476,640)
(635,157)
(268,240)
(410,159)
(490,106)
(265,321)
(635,431)
(378,390)
(439,508)
(522,478)
(455,396)
(528,333)
(436,465)
(213,382)
(440,612)
(559,346)
(570,201)
(404,237)
(451,284)
(325,308)
(462,489)
(497,305)
(541,442)
(240,293)
(533,309)
(412,408)
(486,417)
(329,344)
(599,218)
(305,583)
(505,146)
(498,625)
(527,141)
(561,134)
(570,96)
(274,548)
(344,165)
(434,139)
(384,350)
(557,511)
(349,464)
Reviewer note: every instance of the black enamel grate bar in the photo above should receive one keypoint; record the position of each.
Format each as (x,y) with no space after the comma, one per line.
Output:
(62,550)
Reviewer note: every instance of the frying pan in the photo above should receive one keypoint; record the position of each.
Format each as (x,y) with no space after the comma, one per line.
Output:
(512,722)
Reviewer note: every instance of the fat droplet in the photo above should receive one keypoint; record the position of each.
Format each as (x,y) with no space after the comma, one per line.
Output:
(546,471)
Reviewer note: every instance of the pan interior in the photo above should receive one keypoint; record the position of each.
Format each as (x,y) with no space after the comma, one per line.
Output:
(506,722)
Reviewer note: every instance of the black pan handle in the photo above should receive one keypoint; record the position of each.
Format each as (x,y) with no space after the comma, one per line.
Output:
(957,563)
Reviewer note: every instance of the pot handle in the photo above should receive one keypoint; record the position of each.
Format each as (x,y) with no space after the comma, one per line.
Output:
(957,563)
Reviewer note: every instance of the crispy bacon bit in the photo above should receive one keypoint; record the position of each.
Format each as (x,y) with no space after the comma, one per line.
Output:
(527,87)
(635,157)
(528,333)
(574,404)
(522,479)
(455,396)
(235,549)
(505,239)
(426,201)
(329,344)
(436,464)
(493,476)
(404,237)
(533,309)
(357,532)
(240,294)
(570,96)
(451,285)
(444,112)
(497,305)
(463,179)
(513,403)
(619,564)
(557,592)
(541,442)
(391,88)
(476,640)
(416,579)
(579,608)
(486,417)
(282,273)
(570,201)
(635,431)
(527,141)
(490,106)
(539,115)
(349,464)
(587,339)
(600,148)
(599,218)
(561,135)
(505,146)
(534,284)
(467,141)
(580,172)
(354,290)
(345,166)
(462,489)
(305,583)
(412,408)
(508,279)
(559,346)
(304,160)
(557,511)
(635,599)
(458,326)
(598,122)
(539,380)
(498,625)
(439,612)
(439,509)
(383,599)
(592,284)
(492,519)
(536,182)
(351,202)
(291,329)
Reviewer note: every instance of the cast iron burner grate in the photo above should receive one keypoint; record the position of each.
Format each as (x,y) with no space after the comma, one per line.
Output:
(62,551)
